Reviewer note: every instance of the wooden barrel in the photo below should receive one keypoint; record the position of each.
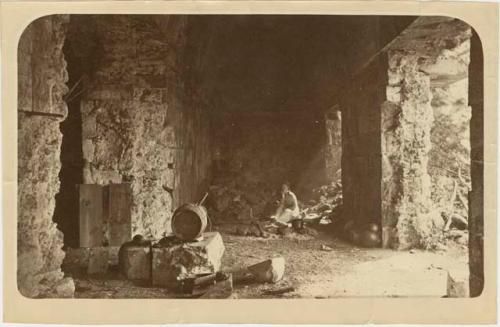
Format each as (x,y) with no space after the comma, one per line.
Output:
(189,221)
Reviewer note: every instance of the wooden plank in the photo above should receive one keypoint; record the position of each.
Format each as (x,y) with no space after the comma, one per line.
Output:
(120,214)
(91,215)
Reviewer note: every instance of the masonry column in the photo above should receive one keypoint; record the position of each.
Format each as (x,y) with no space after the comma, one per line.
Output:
(407,118)
(42,84)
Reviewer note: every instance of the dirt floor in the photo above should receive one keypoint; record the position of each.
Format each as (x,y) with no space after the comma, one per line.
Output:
(341,270)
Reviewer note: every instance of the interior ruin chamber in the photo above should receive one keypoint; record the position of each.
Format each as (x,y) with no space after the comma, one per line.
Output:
(175,105)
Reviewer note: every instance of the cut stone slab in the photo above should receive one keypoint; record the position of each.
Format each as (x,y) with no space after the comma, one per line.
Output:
(186,260)
(65,288)
(76,258)
(269,271)
(79,258)
(135,262)
(113,255)
(98,261)
(458,283)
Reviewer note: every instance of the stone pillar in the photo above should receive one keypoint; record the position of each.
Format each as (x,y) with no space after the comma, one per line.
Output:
(476,213)
(42,77)
(407,118)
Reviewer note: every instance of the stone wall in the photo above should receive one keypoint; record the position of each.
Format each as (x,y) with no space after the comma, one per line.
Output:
(407,118)
(263,150)
(430,52)
(142,117)
(41,77)
(333,148)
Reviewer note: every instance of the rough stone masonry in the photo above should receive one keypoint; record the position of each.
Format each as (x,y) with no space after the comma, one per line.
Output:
(408,209)
(42,76)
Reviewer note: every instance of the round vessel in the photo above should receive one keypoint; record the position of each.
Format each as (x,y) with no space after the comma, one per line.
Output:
(189,221)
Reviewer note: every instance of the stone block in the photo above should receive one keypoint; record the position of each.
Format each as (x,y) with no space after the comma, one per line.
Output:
(65,288)
(135,262)
(269,271)
(113,255)
(76,258)
(458,283)
(98,261)
(186,260)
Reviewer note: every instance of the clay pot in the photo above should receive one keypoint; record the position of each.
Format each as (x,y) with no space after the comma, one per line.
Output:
(370,239)
(374,227)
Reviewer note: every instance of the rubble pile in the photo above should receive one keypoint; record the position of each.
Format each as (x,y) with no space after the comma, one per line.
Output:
(244,209)
(230,203)
(241,208)
(326,206)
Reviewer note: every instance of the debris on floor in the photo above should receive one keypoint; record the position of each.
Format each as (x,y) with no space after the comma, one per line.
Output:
(244,210)
(269,271)
(174,262)
(327,205)
(326,248)
(279,291)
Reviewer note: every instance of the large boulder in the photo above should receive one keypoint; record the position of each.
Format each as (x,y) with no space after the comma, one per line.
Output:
(135,262)
(269,271)
(175,262)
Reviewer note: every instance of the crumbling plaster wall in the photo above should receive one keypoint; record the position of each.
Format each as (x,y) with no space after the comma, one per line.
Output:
(41,80)
(142,117)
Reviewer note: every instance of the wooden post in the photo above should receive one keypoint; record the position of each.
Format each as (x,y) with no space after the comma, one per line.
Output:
(91,215)
(119,210)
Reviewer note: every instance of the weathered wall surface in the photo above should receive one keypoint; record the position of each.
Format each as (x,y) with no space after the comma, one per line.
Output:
(408,118)
(415,64)
(267,149)
(142,120)
(333,148)
(42,77)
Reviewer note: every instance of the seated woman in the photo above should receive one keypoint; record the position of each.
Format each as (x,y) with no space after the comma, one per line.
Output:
(288,208)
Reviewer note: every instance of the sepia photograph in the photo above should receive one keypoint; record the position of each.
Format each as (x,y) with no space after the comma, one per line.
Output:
(249,156)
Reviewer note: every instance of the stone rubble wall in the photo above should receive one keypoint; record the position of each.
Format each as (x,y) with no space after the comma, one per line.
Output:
(407,121)
(268,150)
(141,121)
(427,60)
(41,77)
